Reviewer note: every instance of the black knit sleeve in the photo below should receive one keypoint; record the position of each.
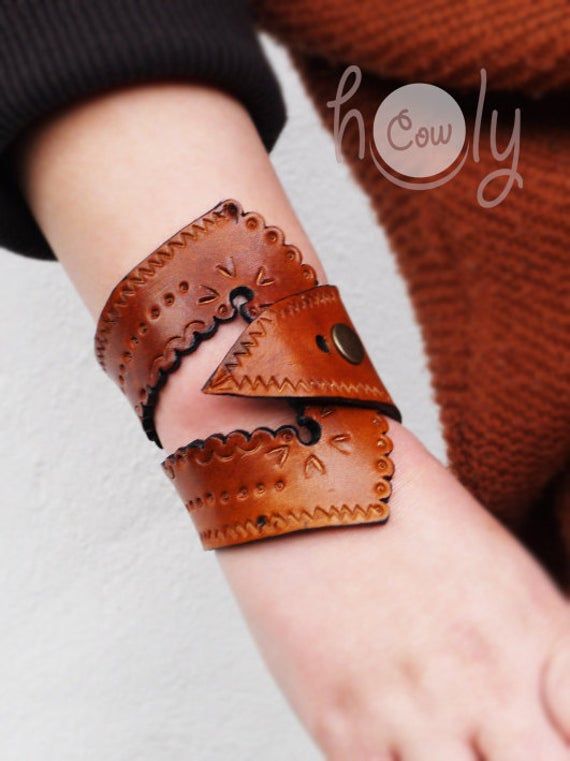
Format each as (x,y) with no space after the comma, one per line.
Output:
(55,52)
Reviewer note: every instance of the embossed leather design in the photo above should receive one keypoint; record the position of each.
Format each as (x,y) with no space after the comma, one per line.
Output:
(288,352)
(180,294)
(245,487)
(334,467)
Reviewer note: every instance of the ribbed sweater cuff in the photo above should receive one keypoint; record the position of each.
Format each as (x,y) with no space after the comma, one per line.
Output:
(55,53)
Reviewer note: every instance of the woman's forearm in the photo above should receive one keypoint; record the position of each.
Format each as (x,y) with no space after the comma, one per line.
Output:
(110,180)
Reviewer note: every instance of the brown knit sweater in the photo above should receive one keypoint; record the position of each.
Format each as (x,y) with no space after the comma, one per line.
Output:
(491,287)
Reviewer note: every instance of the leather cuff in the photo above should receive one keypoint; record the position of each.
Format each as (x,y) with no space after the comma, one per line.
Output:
(333,468)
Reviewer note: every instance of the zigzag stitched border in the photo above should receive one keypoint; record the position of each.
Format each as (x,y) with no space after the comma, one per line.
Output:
(293,519)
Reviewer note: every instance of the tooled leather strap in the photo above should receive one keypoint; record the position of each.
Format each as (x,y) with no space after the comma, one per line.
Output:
(248,486)
(179,294)
(333,468)
(304,346)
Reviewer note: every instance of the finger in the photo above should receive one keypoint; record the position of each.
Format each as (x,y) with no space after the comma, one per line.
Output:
(556,686)
(507,741)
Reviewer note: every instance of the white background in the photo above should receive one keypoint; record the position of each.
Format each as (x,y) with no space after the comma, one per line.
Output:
(118,637)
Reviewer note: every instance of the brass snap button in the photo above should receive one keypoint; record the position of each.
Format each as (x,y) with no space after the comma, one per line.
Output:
(348,343)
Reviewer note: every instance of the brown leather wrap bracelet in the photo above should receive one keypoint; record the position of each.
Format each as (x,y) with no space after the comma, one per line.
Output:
(334,467)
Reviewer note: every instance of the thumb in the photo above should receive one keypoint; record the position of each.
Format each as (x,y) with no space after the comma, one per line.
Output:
(556,685)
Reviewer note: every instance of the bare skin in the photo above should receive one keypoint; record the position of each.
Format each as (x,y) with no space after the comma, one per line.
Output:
(435,637)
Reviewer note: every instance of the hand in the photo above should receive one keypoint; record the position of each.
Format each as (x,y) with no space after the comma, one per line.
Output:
(427,639)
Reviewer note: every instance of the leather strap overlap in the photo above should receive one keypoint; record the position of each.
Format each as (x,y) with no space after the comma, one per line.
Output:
(243,487)
(289,351)
(180,294)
